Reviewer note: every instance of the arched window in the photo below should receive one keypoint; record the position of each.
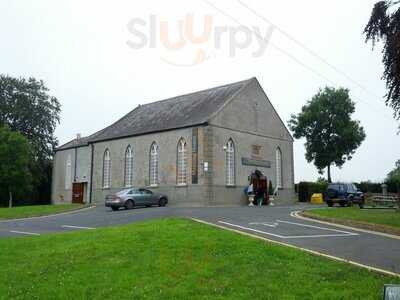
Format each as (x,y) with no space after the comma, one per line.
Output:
(230,163)
(128,176)
(68,173)
(153,164)
(181,175)
(278,156)
(106,169)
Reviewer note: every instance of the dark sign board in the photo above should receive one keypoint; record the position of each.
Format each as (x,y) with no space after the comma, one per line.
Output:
(391,292)
(195,169)
(256,162)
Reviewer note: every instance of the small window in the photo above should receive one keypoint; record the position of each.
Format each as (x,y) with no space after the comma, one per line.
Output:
(131,192)
(106,169)
(153,165)
(68,173)
(230,163)
(147,192)
(256,150)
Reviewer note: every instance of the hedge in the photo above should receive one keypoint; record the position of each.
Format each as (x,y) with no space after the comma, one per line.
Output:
(306,189)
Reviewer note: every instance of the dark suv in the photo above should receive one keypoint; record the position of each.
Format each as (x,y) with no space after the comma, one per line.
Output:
(343,193)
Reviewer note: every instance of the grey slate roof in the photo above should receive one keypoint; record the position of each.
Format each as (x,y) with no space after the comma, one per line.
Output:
(173,113)
(74,143)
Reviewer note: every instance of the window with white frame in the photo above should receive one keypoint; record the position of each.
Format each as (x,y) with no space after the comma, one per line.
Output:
(106,169)
(68,173)
(278,167)
(128,178)
(181,163)
(153,164)
(230,163)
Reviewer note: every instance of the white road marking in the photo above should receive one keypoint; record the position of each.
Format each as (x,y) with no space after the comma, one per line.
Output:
(24,232)
(317,227)
(77,227)
(265,224)
(342,234)
(255,230)
(379,270)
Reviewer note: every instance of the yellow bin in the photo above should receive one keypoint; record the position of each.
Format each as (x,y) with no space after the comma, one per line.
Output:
(317,199)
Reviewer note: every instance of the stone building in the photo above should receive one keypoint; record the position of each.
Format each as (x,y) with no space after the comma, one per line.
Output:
(198,148)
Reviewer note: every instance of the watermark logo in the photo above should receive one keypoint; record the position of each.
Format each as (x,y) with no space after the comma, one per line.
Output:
(181,44)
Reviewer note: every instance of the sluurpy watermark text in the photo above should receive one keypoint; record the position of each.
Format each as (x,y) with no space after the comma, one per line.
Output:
(203,42)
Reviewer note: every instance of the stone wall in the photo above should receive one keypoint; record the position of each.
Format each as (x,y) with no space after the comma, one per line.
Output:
(167,142)
(79,172)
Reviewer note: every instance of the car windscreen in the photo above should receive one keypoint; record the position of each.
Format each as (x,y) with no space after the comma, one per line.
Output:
(351,188)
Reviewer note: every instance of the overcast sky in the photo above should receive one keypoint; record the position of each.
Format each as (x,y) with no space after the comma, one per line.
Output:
(81,49)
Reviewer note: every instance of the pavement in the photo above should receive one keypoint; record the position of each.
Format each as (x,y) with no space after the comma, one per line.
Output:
(276,223)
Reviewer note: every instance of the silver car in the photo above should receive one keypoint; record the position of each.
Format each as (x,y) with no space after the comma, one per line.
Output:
(132,197)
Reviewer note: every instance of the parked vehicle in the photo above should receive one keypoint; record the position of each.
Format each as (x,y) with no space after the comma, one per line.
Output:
(346,194)
(132,197)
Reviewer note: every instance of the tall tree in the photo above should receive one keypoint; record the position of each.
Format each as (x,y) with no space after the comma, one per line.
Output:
(27,107)
(393,178)
(384,24)
(14,161)
(331,135)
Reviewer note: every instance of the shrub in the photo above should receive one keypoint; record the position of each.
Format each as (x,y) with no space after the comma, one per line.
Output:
(369,187)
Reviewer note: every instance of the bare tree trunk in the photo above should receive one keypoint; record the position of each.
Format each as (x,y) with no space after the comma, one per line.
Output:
(329,174)
(10,199)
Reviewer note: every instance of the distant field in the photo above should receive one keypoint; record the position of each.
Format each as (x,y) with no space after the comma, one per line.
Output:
(35,210)
(377,218)
(173,259)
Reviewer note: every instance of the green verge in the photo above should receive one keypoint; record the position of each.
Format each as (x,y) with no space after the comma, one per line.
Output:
(173,259)
(36,210)
(384,220)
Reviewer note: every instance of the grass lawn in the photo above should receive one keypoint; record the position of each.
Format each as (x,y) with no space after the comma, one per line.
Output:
(35,210)
(173,259)
(379,219)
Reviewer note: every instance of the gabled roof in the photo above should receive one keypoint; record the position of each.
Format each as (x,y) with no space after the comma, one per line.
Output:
(173,113)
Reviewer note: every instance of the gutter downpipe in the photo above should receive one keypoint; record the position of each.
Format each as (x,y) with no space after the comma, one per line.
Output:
(91,173)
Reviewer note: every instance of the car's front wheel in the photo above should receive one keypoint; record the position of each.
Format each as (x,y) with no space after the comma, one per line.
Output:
(129,204)
(162,202)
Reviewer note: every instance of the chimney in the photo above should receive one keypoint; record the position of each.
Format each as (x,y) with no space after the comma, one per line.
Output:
(78,136)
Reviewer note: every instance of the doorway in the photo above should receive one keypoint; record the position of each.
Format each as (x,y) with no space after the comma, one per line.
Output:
(78,189)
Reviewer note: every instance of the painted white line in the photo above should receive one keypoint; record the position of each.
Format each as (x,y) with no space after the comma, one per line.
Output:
(317,227)
(77,227)
(24,232)
(274,224)
(317,236)
(378,270)
(287,236)
(251,229)
(295,214)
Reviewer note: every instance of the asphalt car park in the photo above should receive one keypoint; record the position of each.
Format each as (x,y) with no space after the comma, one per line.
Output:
(274,223)
(290,230)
